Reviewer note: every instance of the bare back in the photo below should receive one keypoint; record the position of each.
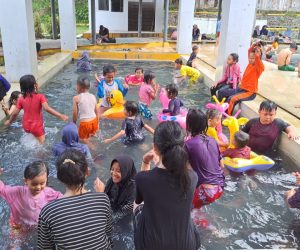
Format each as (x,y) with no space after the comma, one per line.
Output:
(284,57)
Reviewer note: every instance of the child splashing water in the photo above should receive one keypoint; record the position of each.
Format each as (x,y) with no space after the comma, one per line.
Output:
(26,202)
(32,102)
(174,103)
(108,84)
(12,103)
(137,78)
(214,119)
(85,105)
(132,126)
(148,92)
(205,159)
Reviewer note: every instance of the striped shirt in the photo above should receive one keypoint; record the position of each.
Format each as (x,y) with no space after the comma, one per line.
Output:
(77,222)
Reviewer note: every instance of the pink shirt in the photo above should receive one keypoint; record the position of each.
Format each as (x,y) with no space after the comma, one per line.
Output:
(232,75)
(32,106)
(144,94)
(25,208)
(134,80)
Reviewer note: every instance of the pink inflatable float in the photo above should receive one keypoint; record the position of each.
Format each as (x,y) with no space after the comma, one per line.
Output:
(162,117)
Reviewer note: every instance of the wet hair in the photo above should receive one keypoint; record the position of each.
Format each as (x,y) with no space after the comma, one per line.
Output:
(235,57)
(213,113)
(27,85)
(131,107)
(83,82)
(71,168)
(241,139)
(276,39)
(196,122)
(148,76)
(13,97)
(178,61)
(195,47)
(268,106)
(169,140)
(139,68)
(294,46)
(172,89)
(35,169)
(108,69)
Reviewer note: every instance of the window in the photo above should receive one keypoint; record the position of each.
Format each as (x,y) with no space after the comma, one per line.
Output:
(117,5)
(103,5)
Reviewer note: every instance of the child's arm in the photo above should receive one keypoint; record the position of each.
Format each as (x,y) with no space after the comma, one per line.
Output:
(97,77)
(222,144)
(236,76)
(291,133)
(154,94)
(13,117)
(122,87)
(100,92)
(115,137)
(149,129)
(52,111)
(75,109)
(170,108)
(5,109)
(99,185)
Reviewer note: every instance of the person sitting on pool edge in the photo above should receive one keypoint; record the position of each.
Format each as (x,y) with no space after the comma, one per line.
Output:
(240,150)
(186,71)
(265,129)
(284,58)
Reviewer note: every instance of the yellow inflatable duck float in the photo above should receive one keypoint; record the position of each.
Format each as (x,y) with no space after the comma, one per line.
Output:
(117,110)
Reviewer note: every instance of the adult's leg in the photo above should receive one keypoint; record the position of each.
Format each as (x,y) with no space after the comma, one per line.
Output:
(242,96)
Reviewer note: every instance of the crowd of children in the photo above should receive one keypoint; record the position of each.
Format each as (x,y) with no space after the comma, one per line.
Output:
(188,172)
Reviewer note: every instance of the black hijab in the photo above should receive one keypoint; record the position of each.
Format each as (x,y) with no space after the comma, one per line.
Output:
(123,192)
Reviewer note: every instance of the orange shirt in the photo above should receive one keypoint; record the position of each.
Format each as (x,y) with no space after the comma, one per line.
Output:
(249,81)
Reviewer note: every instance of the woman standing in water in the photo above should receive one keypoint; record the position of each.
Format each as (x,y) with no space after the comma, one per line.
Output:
(162,219)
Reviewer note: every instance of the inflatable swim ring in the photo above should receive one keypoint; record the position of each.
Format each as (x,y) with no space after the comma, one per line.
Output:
(258,162)
(134,81)
(117,109)
(163,117)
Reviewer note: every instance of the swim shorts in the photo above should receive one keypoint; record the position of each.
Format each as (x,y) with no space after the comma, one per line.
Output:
(34,128)
(204,196)
(88,128)
(286,68)
(145,111)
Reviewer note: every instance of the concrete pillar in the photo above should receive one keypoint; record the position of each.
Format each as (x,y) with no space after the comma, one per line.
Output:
(237,22)
(166,21)
(159,15)
(185,26)
(18,38)
(93,21)
(67,22)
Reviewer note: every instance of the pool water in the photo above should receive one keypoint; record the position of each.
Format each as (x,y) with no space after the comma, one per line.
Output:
(251,214)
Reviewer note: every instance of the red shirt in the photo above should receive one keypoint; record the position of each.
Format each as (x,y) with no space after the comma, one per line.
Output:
(32,106)
(249,81)
(243,153)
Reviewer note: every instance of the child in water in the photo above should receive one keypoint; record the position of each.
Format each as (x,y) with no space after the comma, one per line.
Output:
(240,150)
(231,77)
(85,105)
(148,92)
(108,84)
(205,159)
(214,119)
(293,196)
(84,64)
(120,188)
(12,103)
(137,78)
(186,72)
(70,140)
(26,202)
(174,103)
(132,126)
(193,56)
(265,129)
(33,102)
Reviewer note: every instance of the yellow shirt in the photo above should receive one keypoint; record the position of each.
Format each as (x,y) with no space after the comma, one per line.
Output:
(275,45)
(190,72)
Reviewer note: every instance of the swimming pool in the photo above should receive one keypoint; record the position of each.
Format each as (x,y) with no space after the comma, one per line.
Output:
(251,214)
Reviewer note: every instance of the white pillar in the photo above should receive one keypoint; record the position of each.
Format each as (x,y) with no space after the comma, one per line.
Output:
(237,22)
(185,26)
(18,38)
(67,22)
(159,15)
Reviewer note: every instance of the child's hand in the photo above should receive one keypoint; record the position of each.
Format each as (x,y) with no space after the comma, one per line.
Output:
(99,185)
(7,123)
(292,135)
(64,118)
(106,141)
(297,175)
(1,171)
(126,86)
(150,156)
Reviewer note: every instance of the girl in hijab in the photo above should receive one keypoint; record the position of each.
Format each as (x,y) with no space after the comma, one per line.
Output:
(120,188)
(70,140)
(84,64)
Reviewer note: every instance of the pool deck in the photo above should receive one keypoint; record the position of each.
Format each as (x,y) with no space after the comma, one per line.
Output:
(47,68)
(280,87)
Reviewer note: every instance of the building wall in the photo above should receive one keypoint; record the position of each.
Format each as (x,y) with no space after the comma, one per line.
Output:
(118,21)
